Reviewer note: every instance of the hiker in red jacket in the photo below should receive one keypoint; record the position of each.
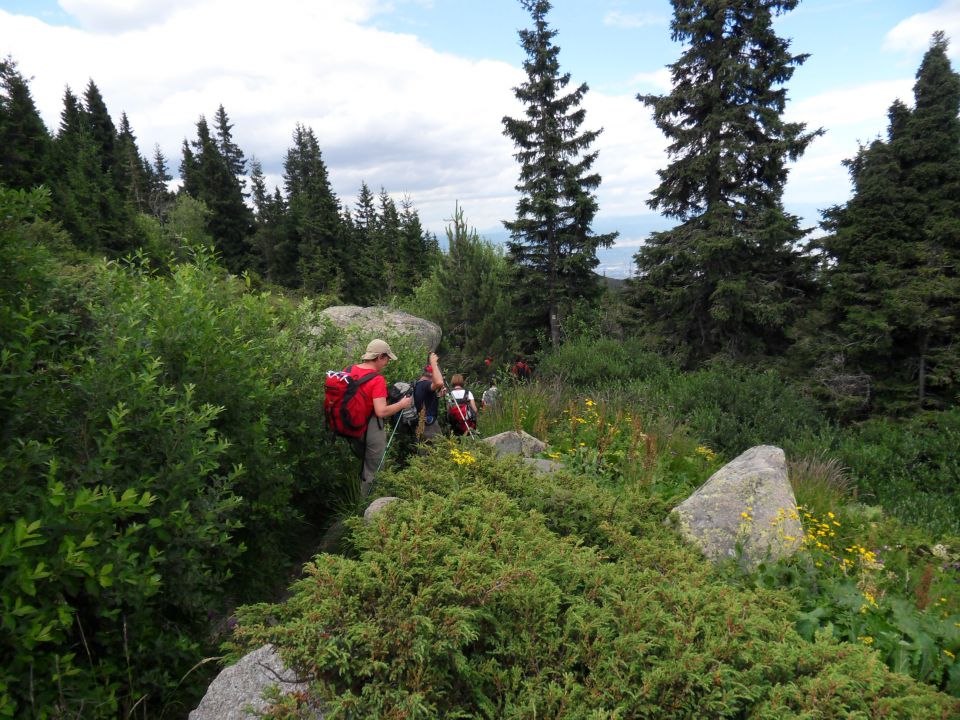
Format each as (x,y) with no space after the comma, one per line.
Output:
(370,448)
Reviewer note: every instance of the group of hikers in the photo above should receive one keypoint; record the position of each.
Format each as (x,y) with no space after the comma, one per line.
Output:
(358,402)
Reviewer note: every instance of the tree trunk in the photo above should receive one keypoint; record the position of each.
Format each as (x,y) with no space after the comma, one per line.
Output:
(554,324)
(922,372)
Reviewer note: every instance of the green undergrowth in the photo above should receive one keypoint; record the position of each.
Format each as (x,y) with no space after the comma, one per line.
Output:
(491,592)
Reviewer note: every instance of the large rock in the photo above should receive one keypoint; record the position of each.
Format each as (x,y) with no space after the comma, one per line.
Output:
(748,502)
(381,321)
(236,693)
(375,507)
(516,443)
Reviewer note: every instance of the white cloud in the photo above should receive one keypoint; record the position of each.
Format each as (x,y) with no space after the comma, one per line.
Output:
(631,21)
(660,80)
(386,108)
(913,34)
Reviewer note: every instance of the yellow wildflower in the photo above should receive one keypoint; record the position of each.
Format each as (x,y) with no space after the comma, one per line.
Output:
(865,639)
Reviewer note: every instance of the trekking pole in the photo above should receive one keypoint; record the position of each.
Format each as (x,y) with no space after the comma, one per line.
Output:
(384,456)
(396,424)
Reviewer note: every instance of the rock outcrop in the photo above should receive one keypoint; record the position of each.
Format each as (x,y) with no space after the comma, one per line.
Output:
(748,503)
(381,321)
(516,443)
(376,506)
(236,693)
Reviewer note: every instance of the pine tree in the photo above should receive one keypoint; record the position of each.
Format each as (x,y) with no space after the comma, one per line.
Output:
(365,266)
(101,127)
(269,222)
(474,303)
(417,253)
(230,151)
(730,277)
(207,177)
(891,309)
(132,170)
(159,196)
(79,177)
(552,246)
(311,255)
(24,139)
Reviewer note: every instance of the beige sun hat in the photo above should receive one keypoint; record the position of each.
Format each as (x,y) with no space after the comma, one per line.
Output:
(376,348)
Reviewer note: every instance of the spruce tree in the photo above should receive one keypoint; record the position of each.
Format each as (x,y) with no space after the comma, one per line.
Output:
(159,196)
(891,308)
(730,277)
(311,254)
(417,252)
(132,170)
(269,217)
(101,127)
(24,139)
(365,266)
(474,307)
(229,149)
(79,177)
(552,246)
(207,176)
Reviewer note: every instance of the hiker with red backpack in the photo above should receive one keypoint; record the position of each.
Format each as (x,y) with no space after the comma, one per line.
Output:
(356,404)
(462,412)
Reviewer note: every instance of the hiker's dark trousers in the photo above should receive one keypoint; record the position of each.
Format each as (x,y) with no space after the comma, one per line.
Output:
(370,448)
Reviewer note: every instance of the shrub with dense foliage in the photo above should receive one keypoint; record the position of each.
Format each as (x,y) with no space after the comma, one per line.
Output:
(490,592)
(163,457)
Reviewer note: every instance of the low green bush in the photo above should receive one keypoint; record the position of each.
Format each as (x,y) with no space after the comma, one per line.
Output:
(588,365)
(461,601)
(910,466)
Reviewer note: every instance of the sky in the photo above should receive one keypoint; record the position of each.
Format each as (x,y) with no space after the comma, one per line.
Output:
(409,95)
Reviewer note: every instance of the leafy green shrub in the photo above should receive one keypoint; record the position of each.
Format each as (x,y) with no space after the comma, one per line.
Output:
(858,579)
(465,603)
(734,407)
(587,365)
(910,466)
(164,450)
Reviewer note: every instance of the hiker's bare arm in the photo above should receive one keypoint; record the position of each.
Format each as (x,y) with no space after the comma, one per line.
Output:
(382,410)
(436,380)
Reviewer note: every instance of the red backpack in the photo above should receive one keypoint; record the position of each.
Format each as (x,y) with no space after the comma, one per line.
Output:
(461,416)
(347,410)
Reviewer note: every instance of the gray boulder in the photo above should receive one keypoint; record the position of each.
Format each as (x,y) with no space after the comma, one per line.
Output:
(375,507)
(236,693)
(748,502)
(516,443)
(381,321)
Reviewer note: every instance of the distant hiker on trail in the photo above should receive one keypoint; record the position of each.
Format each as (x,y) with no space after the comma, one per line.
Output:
(463,412)
(426,394)
(490,396)
(521,371)
(372,445)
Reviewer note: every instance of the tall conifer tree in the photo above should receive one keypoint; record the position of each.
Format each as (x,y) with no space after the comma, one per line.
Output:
(228,148)
(207,176)
(159,196)
(729,278)
(891,308)
(552,246)
(132,170)
(24,139)
(311,254)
